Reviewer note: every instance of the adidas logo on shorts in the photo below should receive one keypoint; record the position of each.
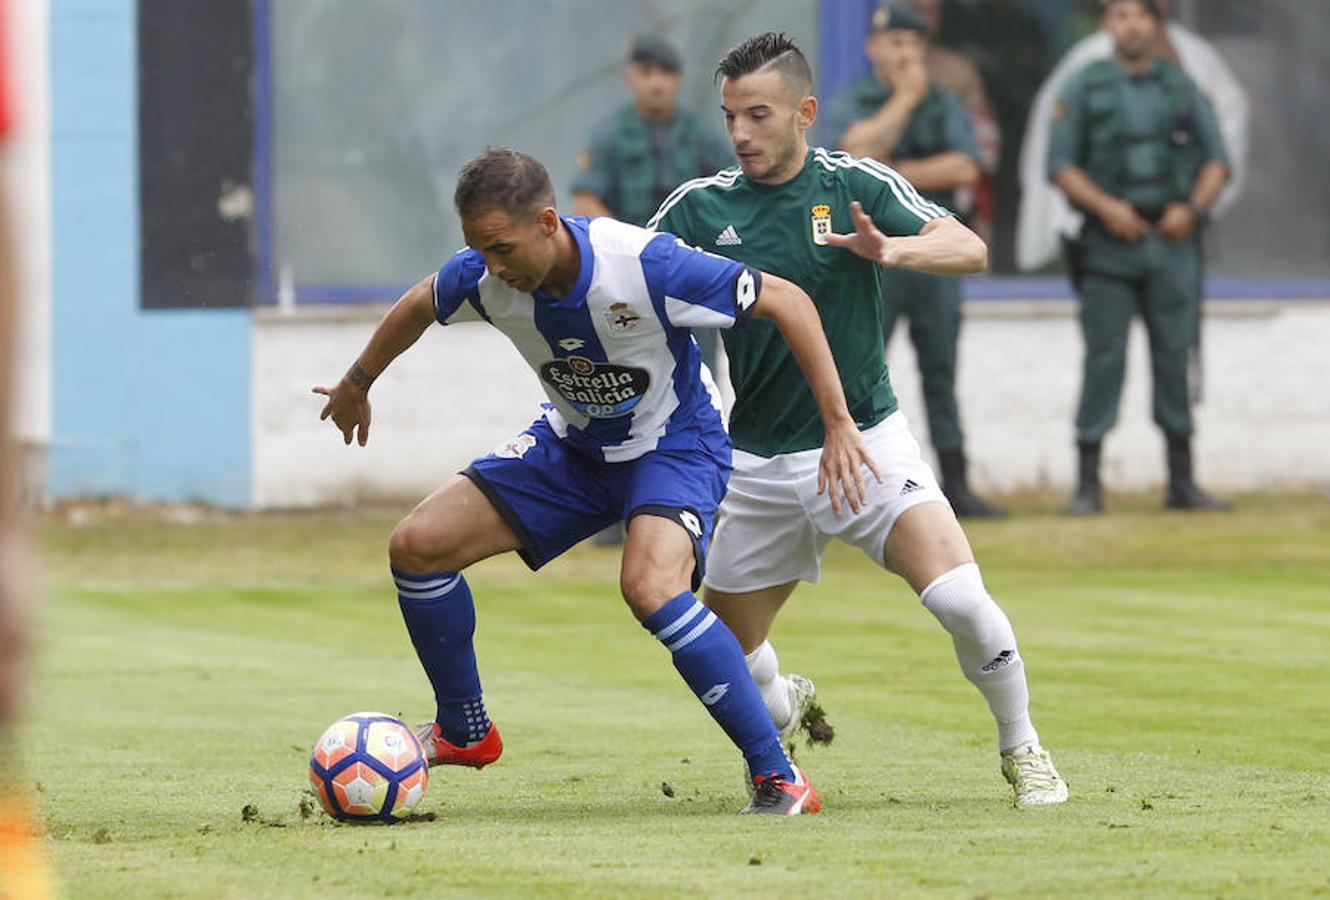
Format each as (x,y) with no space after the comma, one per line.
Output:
(910,487)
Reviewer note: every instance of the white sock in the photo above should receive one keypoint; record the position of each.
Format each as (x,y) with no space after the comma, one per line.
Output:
(986,649)
(765,669)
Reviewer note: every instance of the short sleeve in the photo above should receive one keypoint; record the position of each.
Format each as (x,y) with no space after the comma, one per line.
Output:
(960,128)
(595,166)
(696,289)
(1207,130)
(1064,131)
(672,216)
(456,297)
(894,205)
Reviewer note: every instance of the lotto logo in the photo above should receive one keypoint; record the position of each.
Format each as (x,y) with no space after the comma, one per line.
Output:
(745,291)
(691,522)
(712,697)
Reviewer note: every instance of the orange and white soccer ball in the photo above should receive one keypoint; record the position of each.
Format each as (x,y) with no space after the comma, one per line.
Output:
(368,767)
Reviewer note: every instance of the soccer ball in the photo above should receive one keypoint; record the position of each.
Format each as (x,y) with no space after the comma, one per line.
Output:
(368,767)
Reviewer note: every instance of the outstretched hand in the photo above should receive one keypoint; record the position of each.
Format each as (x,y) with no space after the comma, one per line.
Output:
(867,241)
(841,467)
(348,407)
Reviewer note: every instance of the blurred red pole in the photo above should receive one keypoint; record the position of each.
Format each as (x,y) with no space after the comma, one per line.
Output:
(24,870)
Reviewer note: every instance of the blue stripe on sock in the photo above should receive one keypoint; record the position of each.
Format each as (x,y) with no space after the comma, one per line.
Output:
(440,616)
(711,661)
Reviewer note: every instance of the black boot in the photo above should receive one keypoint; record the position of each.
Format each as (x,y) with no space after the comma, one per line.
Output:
(964,502)
(1089,497)
(1182,490)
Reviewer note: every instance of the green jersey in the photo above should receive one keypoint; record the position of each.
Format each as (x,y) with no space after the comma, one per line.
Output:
(782,229)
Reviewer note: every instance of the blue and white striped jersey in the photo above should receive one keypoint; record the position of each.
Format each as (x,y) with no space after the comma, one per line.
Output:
(615,357)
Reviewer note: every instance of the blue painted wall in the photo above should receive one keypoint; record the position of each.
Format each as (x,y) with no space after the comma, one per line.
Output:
(151,405)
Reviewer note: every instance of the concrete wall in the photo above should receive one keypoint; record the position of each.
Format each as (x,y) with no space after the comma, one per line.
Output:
(1265,421)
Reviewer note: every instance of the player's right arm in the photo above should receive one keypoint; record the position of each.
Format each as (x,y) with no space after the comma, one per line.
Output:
(943,245)
(348,400)
(897,227)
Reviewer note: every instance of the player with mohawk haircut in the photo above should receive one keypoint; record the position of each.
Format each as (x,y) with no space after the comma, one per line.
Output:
(830,222)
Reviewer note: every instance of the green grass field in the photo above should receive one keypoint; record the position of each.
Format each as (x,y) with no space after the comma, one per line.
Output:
(1178,667)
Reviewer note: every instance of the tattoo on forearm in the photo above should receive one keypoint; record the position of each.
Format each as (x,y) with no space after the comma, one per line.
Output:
(359,377)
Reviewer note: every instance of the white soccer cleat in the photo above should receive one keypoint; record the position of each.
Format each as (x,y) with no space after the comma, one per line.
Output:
(802,692)
(1029,770)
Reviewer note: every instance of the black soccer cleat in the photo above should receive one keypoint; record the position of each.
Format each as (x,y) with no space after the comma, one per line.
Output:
(775,795)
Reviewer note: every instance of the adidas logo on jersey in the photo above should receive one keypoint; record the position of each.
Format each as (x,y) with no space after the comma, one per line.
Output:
(910,487)
(728,238)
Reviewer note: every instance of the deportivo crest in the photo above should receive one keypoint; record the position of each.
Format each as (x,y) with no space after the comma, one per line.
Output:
(516,448)
(821,224)
(621,317)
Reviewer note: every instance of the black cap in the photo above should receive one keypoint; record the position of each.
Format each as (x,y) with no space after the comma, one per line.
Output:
(897,17)
(652,50)
(1151,6)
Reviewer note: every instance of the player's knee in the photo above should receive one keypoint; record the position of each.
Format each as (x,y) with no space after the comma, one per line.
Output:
(645,590)
(983,636)
(415,547)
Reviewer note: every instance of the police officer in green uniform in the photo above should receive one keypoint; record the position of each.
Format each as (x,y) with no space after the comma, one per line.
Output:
(1135,146)
(649,146)
(923,131)
(643,151)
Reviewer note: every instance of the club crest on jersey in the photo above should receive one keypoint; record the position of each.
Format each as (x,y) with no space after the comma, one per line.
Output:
(621,317)
(821,224)
(516,448)
(581,365)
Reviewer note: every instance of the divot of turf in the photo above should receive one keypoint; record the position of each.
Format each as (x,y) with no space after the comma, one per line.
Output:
(815,725)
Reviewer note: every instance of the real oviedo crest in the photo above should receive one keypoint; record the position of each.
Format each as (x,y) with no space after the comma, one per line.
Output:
(821,224)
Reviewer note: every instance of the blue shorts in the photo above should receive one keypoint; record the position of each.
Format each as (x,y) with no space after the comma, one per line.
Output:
(554,497)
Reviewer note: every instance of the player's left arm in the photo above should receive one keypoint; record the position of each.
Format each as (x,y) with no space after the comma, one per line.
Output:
(943,245)
(844,453)
(1181,219)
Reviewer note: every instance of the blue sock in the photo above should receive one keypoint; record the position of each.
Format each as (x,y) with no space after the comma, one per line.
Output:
(441,619)
(710,659)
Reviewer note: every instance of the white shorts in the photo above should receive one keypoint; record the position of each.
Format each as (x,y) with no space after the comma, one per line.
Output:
(773,526)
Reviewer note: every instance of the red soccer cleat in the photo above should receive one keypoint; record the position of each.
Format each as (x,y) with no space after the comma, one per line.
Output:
(477,754)
(777,796)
